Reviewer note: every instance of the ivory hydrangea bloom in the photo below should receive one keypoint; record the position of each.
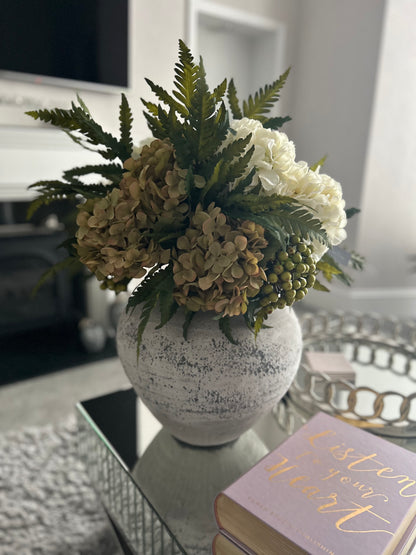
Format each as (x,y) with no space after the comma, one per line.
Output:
(278,172)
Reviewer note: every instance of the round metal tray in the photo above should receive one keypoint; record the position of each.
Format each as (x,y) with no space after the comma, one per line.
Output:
(382,352)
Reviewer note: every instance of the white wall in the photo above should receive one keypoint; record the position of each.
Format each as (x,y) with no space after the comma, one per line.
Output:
(387,233)
(334,78)
(386,230)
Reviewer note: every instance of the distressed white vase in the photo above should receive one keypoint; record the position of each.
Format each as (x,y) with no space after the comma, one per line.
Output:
(206,391)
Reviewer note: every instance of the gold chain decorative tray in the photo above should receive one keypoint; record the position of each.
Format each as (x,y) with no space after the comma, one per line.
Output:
(382,352)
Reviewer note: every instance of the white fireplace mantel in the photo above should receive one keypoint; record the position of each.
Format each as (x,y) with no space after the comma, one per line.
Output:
(29,154)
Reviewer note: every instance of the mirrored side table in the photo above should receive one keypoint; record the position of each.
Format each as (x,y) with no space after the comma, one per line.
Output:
(159,492)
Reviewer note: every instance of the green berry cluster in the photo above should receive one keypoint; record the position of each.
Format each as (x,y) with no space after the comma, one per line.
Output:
(289,277)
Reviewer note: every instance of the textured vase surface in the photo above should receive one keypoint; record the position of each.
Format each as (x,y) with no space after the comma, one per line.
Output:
(205,390)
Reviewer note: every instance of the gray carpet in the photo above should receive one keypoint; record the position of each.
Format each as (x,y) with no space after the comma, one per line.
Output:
(47,505)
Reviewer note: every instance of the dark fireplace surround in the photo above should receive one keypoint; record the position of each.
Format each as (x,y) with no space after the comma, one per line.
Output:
(38,333)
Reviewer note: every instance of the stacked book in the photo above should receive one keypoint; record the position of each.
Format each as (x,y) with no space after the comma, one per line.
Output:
(330,489)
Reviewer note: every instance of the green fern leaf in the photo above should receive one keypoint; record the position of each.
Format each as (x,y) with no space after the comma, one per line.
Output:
(276,123)
(264,99)
(258,325)
(243,184)
(148,292)
(330,268)
(320,287)
(186,72)
(233,101)
(318,164)
(50,273)
(155,126)
(350,212)
(228,153)
(188,319)
(225,327)
(215,179)
(126,121)
(151,106)
(166,98)
(112,172)
(238,168)
(77,119)
(168,305)
(50,191)
(219,91)
(285,222)
(147,308)
(83,105)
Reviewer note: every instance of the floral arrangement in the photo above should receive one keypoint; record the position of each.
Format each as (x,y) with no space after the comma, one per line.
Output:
(213,212)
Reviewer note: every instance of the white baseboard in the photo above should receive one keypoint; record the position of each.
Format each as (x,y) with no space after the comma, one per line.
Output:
(396,302)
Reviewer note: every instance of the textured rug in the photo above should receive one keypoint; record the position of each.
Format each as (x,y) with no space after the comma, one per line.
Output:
(47,505)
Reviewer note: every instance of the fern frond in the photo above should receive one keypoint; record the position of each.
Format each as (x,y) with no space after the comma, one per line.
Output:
(186,72)
(151,106)
(166,98)
(350,212)
(188,319)
(51,191)
(276,123)
(320,287)
(155,126)
(225,327)
(167,304)
(318,164)
(66,263)
(83,105)
(219,91)
(285,222)
(148,292)
(207,127)
(233,101)
(264,99)
(77,119)
(126,121)
(258,324)
(228,153)
(329,268)
(112,172)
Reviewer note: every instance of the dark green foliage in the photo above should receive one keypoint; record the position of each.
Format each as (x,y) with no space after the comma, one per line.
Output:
(60,190)
(319,163)
(350,212)
(320,287)
(157,287)
(264,99)
(112,172)
(330,268)
(188,319)
(126,121)
(233,101)
(78,119)
(276,123)
(68,263)
(186,77)
(196,120)
(225,327)
(289,219)
(356,261)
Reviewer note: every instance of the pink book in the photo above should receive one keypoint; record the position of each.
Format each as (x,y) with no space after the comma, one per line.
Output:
(334,365)
(329,489)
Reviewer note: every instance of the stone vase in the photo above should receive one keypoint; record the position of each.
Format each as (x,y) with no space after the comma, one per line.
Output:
(205,390)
